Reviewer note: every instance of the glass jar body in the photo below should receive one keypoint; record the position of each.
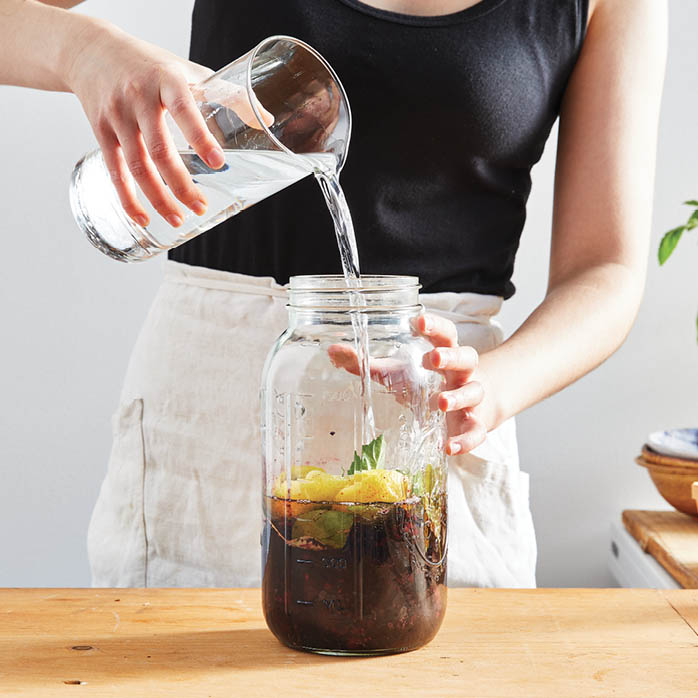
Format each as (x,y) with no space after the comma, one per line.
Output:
(354,539)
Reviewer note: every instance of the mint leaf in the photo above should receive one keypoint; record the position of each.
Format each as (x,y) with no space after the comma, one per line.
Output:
(372,456)
(426,485)
(424,481)
(356,465)
(373,453)
(669,242)
(327,526)
(691,202)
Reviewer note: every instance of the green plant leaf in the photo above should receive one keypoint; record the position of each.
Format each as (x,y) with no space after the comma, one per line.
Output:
(424,481)
(691,202)
(327,526)
(372,456)
(374,453)
(669,242)
(692,221)
(426,485)
(356,465)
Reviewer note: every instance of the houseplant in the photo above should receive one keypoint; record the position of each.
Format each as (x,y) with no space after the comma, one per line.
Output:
(672,237)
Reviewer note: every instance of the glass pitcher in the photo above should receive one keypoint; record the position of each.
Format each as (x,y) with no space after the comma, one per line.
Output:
(310,132)
(354,539)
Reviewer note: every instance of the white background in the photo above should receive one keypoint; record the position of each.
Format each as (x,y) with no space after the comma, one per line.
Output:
(70,317)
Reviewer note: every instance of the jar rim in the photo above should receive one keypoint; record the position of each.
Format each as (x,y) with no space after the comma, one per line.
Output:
(367,283)
(376,293)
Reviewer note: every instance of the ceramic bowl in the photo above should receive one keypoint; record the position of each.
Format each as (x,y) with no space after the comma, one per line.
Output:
(681,443)
(673,478)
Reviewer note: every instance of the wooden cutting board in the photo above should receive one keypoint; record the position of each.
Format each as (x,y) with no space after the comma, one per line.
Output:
(213,643)
(671,538)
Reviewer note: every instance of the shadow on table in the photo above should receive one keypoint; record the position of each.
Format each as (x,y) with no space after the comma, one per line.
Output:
(177,654)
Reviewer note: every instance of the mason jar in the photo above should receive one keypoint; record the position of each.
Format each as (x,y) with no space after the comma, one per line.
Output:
(354,472)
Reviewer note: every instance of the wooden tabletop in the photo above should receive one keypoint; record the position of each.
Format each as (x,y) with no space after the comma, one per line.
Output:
(671,538)
(210,642)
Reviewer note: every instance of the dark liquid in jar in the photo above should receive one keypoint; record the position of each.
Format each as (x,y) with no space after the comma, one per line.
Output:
(377,587)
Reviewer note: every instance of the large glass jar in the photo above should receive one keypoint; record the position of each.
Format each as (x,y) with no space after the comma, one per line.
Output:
(354,538)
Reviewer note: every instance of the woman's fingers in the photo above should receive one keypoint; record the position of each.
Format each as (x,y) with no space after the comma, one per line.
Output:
(343,356)
(177,98)
(120,177)
(461,360)
(234,97)
(438,330)
(143,170)
(391,373)
(469,433)
(463,398)
(465,430)
(162,151)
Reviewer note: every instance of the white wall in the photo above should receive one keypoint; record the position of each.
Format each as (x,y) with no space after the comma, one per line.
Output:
(580,445)
(70,317)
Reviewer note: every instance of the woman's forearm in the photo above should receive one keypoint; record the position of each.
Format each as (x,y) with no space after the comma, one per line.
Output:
(39,43)
(579,324)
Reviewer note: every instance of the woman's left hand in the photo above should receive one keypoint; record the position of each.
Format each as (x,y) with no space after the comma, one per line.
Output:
(464,397)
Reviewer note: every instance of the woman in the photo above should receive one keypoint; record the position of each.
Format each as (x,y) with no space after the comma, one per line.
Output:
(453,101)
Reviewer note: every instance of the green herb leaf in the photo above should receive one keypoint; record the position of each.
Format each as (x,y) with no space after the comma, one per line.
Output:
(368,512)
(427,485)
(424,481)
(326,526)
(692,221)
(356,465)
(691,202)
(669,242)
(372,456)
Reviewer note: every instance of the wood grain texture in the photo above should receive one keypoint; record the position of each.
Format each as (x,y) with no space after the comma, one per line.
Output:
(209,643)
(671,538)
(685,603)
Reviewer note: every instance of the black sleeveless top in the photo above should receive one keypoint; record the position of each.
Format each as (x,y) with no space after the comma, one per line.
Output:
(449,115)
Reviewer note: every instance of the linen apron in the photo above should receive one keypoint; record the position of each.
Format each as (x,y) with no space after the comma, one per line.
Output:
(181,504)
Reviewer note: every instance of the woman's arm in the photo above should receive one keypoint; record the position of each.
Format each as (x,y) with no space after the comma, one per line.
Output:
(601,225)
(125,85)
(36,41)
(65,4)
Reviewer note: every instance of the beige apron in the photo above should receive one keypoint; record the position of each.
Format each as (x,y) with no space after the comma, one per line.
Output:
(180,505)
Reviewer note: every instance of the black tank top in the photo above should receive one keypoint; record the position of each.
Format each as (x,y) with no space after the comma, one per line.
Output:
(449,115)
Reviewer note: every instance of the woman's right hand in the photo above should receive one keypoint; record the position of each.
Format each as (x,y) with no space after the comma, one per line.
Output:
(125,85)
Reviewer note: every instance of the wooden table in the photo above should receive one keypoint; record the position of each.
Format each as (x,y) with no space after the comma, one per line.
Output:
(200,643)
(671,538)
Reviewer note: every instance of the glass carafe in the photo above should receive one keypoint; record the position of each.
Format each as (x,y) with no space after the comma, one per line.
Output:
(354,537)
(282,79)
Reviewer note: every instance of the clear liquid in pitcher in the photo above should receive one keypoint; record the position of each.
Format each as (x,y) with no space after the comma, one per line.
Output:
(248,176)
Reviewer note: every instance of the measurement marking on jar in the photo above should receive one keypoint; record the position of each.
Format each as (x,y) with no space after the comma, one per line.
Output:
(333,604)
(338,395)
(304,562)
(304,603)
(336,563)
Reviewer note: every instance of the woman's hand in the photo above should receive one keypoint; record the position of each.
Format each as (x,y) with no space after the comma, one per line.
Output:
(464,398)
(125,85)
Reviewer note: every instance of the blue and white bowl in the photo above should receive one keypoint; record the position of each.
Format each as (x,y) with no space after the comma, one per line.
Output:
(679,443)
